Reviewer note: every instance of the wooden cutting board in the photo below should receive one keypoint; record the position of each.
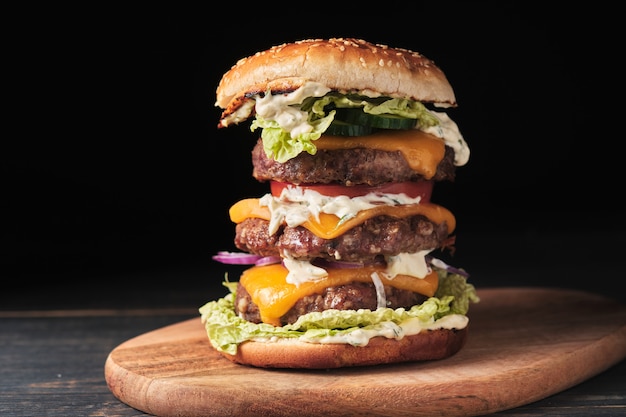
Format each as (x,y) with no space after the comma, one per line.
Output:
(524,344)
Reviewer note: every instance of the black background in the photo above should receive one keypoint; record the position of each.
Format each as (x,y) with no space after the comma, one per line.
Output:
(116,176)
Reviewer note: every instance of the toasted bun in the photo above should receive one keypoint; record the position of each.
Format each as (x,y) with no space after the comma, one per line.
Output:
(346,65)
(285,353)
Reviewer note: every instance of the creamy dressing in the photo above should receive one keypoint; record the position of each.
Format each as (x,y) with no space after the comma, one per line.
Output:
(279,107)
(413,264)
(448,130)
(390,330)
(241,114)
(296,205)
(302,271)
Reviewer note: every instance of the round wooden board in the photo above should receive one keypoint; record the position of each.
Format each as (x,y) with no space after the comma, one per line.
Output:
(524,344)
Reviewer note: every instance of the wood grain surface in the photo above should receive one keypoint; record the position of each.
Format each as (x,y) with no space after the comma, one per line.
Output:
(525,344)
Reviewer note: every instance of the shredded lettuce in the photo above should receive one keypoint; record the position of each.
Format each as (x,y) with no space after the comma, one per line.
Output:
(457,286)
(226,330)
(281,146)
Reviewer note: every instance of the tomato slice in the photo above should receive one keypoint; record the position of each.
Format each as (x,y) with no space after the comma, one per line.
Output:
(412,189)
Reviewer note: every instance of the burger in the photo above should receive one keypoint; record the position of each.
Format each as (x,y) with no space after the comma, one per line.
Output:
(339,254)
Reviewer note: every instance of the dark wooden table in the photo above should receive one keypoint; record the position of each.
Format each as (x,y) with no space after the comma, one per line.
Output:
(52,365)
(54,340)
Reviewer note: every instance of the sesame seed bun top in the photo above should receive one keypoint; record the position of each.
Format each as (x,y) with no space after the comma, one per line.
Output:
(346,65)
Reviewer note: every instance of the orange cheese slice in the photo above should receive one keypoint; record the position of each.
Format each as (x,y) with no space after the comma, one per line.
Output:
(274,296)
(330,226)
(422,151)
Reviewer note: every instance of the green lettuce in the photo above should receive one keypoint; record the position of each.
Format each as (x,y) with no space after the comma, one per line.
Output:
(226,330)
(279,145)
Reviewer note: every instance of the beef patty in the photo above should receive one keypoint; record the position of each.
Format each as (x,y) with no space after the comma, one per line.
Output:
(378,236)
(345,166)
(351,296)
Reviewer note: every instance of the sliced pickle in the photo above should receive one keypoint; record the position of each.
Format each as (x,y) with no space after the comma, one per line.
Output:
(339,128)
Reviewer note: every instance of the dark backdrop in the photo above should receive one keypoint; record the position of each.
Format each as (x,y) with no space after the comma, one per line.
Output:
(115,173)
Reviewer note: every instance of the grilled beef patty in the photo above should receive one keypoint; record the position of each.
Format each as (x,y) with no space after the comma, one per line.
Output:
(382,235)
(345,166)
(351,296)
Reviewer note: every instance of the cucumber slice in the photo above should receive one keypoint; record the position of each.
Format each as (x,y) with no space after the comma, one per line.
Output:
(339,128)
(379,121)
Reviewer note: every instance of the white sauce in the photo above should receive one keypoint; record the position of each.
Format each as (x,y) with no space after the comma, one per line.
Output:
(390,330)
(448,130)
(302,271)
(279,107)
(240,115)
(413,264)
(296,205)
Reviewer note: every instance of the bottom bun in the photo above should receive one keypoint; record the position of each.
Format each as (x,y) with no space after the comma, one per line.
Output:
(287,353)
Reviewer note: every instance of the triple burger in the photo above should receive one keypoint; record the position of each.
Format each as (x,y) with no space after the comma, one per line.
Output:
(341,250)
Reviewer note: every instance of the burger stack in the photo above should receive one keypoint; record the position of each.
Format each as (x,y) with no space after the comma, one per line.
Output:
(351,138)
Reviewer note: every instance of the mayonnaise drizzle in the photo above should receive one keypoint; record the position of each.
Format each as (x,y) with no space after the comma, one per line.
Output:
(448,130)
(280,108)
(388,329)
(413,264)
(296,205)
(303,271)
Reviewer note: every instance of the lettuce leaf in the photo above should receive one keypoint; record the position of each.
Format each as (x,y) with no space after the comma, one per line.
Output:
(281,146)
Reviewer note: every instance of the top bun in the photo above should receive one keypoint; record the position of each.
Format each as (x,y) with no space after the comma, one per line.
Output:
(346,65)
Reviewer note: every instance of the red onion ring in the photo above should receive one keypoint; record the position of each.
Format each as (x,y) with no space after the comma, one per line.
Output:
(268,260)
(236,258)
(442,265)
(242,258)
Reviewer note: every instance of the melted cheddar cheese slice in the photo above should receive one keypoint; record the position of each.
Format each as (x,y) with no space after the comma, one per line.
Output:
(330,226)
(274,296)
(422,151)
